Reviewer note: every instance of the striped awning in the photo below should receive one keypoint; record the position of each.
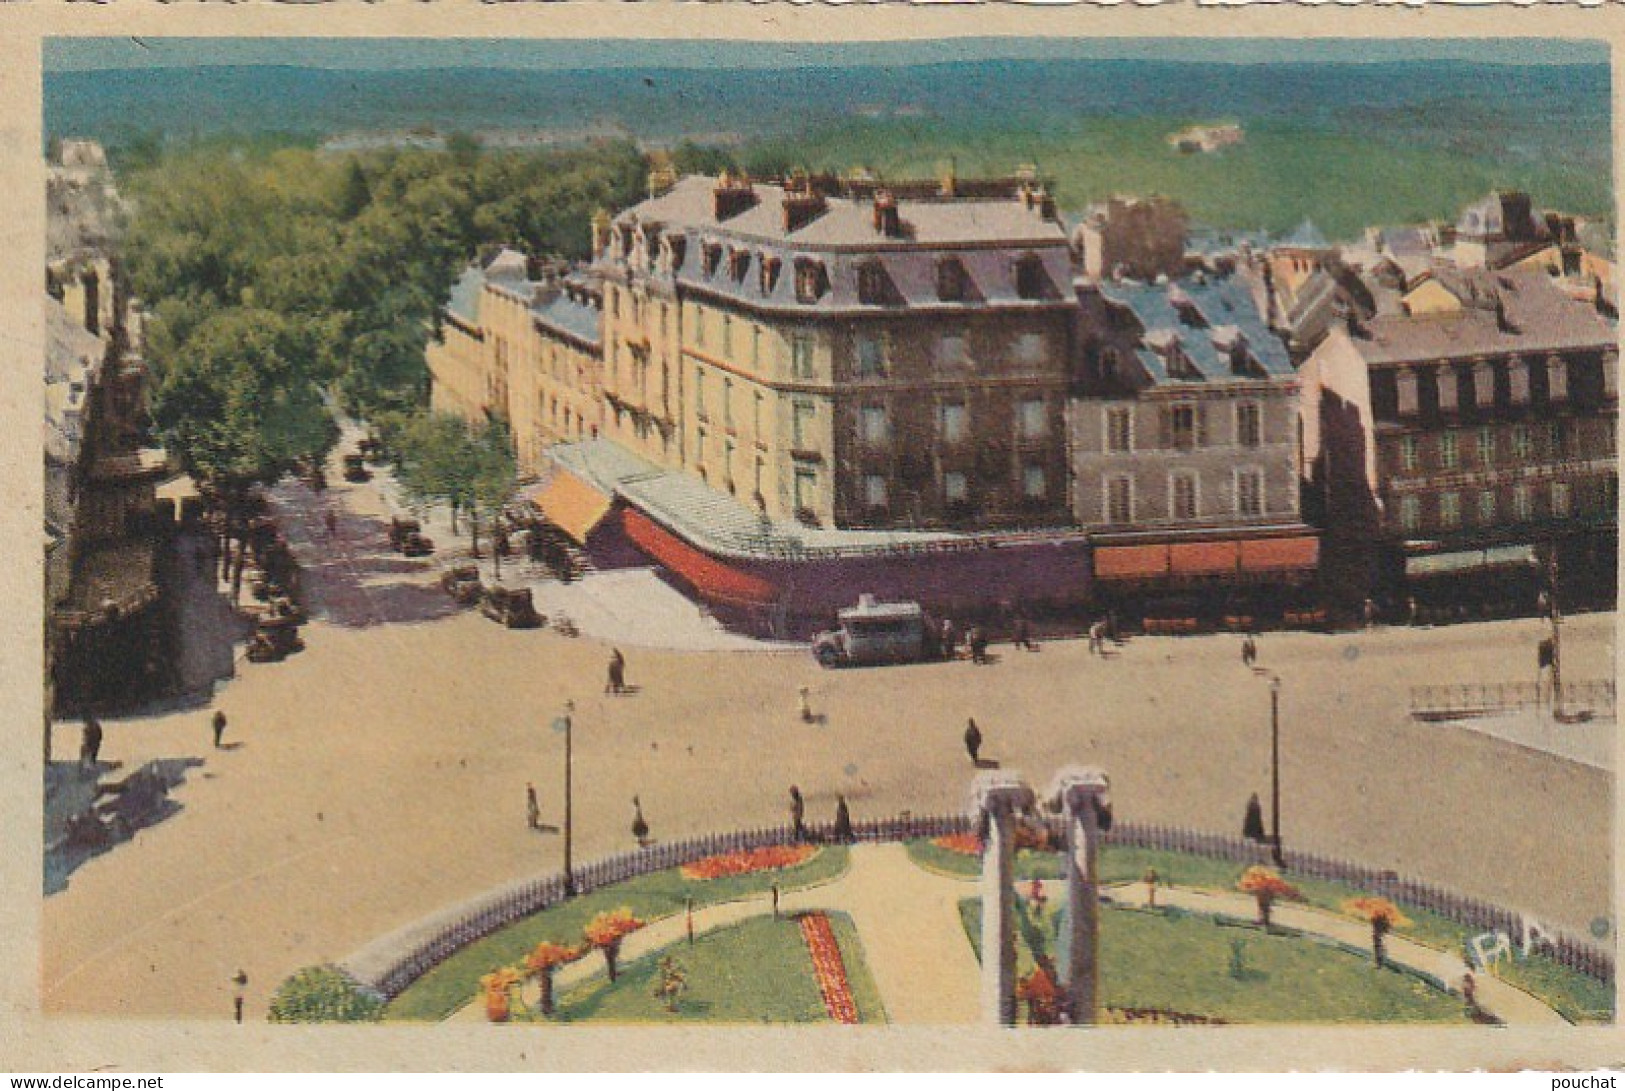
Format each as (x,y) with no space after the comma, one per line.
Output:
(571,504)
(1473,560)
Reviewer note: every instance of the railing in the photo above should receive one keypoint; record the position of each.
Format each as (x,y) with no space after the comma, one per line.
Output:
(388,965)
(1477,699)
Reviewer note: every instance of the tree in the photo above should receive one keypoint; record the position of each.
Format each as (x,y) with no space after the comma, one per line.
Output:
(1266,887)
(470,467)
(1383,916)
(607,930)
(498,988)
(542,962)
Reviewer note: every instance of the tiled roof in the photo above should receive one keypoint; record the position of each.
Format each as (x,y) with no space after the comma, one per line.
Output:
(1195,310)
(1540,317)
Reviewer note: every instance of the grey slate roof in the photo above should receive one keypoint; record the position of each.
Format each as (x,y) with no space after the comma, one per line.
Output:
(1541,318)
(578,320)
(464,302)
(1223,302)
(987,237)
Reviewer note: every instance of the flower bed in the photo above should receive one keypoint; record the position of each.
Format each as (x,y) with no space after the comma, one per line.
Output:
(831,970)
(768,858)
(966,844)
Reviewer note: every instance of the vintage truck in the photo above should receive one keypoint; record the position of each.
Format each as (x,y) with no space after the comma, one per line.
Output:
(874,632)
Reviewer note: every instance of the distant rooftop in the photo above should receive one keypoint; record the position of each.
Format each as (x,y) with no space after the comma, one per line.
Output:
(1203,316)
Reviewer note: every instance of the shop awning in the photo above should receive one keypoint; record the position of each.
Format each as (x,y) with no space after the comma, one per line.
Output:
(571,504)
(1280,554)
(1194,560)
(1131,562)
(1473,560)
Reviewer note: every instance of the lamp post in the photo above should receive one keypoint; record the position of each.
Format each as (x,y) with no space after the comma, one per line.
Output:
(1275,769)
(564,724)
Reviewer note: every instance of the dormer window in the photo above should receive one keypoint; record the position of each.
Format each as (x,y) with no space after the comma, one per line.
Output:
(871,283)
(1032,282)
(738,265)
(678,248)
(812,280)
(713,258)
(951,280)
(768,274)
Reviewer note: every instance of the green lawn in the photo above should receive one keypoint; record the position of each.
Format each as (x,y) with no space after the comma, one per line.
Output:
(756,971)
(1576,996)
(455,981)
(1182,962)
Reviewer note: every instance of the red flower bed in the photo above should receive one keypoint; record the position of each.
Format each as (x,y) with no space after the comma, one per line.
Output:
(771,858)
(831,971)
(967,844)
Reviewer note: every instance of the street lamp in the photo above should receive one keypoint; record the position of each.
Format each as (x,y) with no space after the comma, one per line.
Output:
(1275,769)
(563,723)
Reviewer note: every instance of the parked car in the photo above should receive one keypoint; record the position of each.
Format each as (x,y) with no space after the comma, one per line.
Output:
(400,529)
(874,632)
(355,469)
(416,545)
(462,583)
(512,606)
(274,640)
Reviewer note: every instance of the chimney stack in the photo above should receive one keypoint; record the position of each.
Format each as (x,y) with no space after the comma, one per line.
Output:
(888,221)
(732,195)
(801,208)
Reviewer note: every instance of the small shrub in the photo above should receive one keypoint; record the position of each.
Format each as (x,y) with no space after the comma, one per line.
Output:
(324,994)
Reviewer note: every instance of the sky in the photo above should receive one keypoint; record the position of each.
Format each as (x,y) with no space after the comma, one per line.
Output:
(81,54)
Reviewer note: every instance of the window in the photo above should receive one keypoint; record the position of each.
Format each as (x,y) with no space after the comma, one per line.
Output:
(727,336)
(1182,496)
(699,391)
(1449,450)
(801,421)
(950,280)
(728,448)
(1410,456)
(1554,440)
(755,345)
(1183,427)
(874,426)
(1486,507)
(871,283)
(1249,425)
(1486,446)
(699,450)
(1119,430)
(1034,482)
(871,353)
(1034,421)
(1562,500)
(1250,492)
(1522,503)
(1119,499)
(756,416)
(801,356)
(953,350)
(713,258)
(811,281)
(1450,509)
(698,321)
(1410,513)
(727,403)
(874,490)
(1030,278)
(1523,445)
(1030,348)
(806,487)
(951,420)
(954,487)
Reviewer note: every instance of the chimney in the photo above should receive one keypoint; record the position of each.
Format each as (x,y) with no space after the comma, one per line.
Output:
(600,231)
(732,196)
(802,208)
(888,221)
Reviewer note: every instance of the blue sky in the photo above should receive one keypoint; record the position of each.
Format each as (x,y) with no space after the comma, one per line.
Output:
(68,54)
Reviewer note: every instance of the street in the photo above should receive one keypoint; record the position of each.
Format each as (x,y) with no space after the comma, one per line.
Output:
(380,774)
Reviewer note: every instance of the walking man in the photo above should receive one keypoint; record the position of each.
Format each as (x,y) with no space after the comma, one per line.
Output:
(90,748)
(950,639)
(219,724)
(973,743)
(798,814)
(1097,638)
(617,672)
(977,638)
(1249,651)
(1024,637)
(843,820)
(533,809)
(332,521)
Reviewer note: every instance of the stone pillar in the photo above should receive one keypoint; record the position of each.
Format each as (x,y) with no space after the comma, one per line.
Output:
(1083,796)
(999,798)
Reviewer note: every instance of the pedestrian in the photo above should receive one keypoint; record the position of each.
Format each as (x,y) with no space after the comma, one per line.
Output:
(239,983)
(798,814)
(1252,824)
(1023,637)
(1469,992)
(843,820)
(973,743)
(617,672)
(1150,879)
(219,724)
(332,521)
(950,639)
(90,748)
(533,809)
(1370,612)
(1249,651)
(805,709)
(1410,605)
(977,639)
(1097,638)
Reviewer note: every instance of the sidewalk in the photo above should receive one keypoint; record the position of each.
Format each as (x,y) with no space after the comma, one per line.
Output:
(1590,743)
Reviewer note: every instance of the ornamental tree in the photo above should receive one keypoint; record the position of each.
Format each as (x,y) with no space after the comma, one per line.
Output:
(1383,916)
(498,987)
(546,958)
(605,932)
(1266,886)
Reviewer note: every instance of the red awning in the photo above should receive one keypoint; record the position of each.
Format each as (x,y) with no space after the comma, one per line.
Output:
(1203,558)
(1131,562)
(1280,554)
